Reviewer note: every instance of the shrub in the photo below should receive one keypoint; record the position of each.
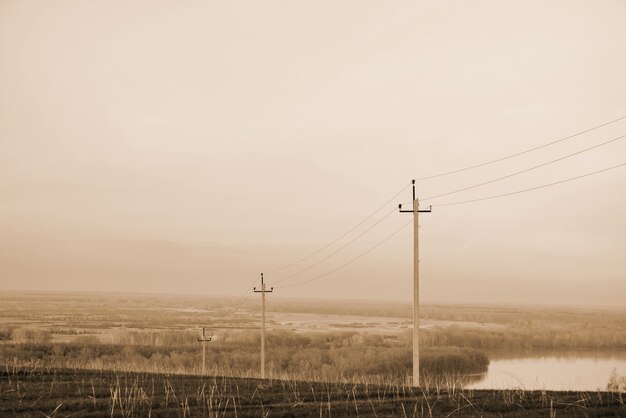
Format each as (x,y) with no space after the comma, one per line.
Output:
(30,335)
(616,383)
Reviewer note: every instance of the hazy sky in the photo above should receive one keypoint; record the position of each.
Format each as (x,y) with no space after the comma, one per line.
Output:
(185,147)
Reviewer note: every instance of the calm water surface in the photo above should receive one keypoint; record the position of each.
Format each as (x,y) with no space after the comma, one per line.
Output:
(553,372)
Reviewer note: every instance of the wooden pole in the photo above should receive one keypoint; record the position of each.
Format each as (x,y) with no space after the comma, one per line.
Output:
(204,339)
(263,331)
(203,351)
(416,286)
(263,292)
(416,296)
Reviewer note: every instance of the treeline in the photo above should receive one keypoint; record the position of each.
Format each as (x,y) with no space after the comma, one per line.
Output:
(536,337)
(531,338)
(519,317)
(316,356)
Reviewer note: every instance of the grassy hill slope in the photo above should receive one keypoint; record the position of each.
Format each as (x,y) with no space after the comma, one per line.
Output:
(84,393)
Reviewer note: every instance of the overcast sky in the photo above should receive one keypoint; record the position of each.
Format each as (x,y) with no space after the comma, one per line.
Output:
(185,147)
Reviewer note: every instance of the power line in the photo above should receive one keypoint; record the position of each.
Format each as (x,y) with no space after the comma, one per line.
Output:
(337,250)
(241,300)
(239,305)
(521,152)
(525,170)
(531,188)
(447,204)
(352,260)
(342,235)
(232,313)
(444,204)
(249,291)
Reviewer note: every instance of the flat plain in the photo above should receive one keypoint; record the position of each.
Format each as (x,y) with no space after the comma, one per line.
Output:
(111,355)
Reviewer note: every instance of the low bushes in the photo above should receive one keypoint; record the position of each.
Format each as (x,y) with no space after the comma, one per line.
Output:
(315,356)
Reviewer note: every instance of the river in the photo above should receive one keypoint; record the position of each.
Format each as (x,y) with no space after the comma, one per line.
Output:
(550,371)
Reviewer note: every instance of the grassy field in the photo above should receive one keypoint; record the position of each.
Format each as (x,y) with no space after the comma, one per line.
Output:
(128,319)
(138,355)
(82,393)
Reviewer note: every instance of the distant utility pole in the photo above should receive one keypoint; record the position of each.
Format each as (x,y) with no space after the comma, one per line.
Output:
(204,339)
(416,286)
(263,292)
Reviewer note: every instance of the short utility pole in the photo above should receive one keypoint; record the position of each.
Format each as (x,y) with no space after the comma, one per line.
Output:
(263,292)
(204,339)
(416,286)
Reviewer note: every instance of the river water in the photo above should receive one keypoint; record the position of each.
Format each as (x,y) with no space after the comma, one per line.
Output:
(579,372)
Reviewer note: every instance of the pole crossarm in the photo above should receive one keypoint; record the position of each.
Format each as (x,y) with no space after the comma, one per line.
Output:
(412,211)
(263,287)
(204,337)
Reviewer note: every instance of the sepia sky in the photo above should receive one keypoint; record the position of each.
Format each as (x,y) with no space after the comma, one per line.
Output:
(185,147)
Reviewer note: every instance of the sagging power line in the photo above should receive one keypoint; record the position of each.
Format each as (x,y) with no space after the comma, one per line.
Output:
(248,292)
(381,207)
(361,255)
(525,170)
(241,300)
(415,211)
(531,188)
(448,193)
(460,170)
(290,276)
(388,237)
(336,251)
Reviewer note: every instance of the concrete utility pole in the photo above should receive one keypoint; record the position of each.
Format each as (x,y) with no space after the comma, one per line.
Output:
(416,286)
(263,292)
(204,339)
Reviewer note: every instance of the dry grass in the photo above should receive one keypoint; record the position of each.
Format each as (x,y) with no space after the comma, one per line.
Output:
(62,392)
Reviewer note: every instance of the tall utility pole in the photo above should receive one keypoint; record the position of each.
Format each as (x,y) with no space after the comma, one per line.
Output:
(263,292)
(416,286)
(204,339)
